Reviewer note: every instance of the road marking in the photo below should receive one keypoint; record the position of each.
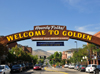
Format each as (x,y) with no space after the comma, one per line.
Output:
(55,71)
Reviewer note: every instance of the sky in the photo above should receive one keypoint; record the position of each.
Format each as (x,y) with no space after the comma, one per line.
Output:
(23,15)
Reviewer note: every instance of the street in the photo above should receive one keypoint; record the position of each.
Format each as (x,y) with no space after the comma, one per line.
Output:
(50,70)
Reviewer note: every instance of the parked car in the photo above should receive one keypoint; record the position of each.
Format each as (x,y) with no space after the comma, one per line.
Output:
(17,68)
(97,70)
(41,64)
(66,66)
(31,65)
(4,69)
(71,66)
(27,65)
(81,68)
(36,67)
(23,66)
(76,67)
(90,67)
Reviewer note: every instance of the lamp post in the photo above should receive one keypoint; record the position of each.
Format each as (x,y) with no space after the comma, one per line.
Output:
(15,56)
(85,58)
(76,44)
(76,48)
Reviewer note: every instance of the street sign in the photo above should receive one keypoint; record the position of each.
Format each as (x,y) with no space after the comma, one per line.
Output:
(50,43)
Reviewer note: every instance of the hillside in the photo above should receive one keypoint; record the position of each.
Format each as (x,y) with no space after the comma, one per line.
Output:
(40,52)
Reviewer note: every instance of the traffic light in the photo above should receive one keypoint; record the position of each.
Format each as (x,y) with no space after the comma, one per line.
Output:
(40,57)
(44,57)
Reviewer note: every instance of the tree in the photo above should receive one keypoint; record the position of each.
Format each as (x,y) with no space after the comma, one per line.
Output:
(3,49)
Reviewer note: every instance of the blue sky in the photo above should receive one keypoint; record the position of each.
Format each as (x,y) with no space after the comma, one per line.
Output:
(22,15)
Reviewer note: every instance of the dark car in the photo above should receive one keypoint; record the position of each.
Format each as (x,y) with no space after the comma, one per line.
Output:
(23,66)
(97,70)
(41,64)
(16,68)
(81,68)
(27,65)
(37,67)
(31,65)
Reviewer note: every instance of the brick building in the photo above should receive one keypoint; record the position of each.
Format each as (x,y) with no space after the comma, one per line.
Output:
(64,56)
(28,49)
(12,45)
(68,53)
(96,54)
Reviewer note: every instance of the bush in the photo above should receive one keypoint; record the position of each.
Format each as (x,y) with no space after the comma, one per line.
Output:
(63,61)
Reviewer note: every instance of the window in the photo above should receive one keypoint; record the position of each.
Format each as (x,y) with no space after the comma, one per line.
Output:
(93,65)
(65,52)
(68,56)
(69,52)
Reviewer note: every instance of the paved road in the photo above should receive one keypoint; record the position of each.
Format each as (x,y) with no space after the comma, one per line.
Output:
(66,71)
(31,71)
(50,70)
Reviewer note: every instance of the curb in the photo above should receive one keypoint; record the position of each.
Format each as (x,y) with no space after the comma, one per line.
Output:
(54,70)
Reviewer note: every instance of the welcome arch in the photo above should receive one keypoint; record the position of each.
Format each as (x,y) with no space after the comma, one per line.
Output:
(50,32)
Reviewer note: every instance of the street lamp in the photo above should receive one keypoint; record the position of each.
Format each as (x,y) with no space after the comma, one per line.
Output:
(85,58)
(76,44)
(15,56)
(14,52)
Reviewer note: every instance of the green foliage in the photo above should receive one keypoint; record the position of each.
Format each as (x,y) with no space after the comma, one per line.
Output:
(3,49)
(57,64)
(63,61)
(16,54)
(77,55)
(41,60)
(56,57)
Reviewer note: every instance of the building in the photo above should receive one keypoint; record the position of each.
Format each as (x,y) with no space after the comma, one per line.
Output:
(95,57)
(28,49)
(25,48)
(68,53)
(12,45)
(64,55)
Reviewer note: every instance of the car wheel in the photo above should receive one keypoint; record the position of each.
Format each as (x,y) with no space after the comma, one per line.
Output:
(4,73)
(19,71)
(93,72)
(9,73)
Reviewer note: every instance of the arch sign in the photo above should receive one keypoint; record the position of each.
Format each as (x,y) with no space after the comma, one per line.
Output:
(50,32)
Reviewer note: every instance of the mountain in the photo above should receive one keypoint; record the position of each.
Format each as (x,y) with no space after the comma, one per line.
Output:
(40,52)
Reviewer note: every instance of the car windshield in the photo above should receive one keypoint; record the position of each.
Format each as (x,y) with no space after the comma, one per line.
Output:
(83,65)
(89,65)
(1,67)
(37,65)
(22,64)
(93,65)
(15,66)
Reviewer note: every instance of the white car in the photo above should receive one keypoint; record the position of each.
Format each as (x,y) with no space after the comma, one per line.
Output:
(90,68)
(66,66)
(71,66)
(4,69)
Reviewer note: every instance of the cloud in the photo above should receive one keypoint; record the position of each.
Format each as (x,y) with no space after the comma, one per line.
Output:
(90,32)
(83,5)
(72,2)
(52,51)
(86,29)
